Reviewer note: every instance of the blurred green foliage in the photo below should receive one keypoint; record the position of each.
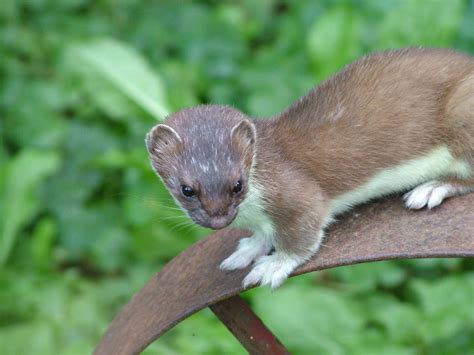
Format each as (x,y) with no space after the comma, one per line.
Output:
(85,222)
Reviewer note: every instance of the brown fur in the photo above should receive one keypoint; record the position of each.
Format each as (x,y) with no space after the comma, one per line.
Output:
(397,105)
(377,113)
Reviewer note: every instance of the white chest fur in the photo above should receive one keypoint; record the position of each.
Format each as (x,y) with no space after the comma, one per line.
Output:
(252,212)
(438,163)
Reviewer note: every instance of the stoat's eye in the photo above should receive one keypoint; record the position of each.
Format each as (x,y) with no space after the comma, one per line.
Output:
(237,187)
(187,191)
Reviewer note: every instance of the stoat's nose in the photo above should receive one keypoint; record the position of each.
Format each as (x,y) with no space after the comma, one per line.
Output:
(219,222)
(217,212)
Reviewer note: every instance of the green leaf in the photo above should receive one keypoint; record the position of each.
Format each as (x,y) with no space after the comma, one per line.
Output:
(36,124)
(113,71)
(42,241)
(335,40)
(193,335)
(366,277)
(426,23)
(399,321)
(24,173)
(310,319)
(446,304)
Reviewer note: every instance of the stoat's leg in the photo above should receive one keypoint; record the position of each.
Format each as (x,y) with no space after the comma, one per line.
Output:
(432,193)
(275,268)
(247,251)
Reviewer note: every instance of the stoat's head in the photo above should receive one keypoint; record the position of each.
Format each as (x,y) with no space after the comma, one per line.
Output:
(204,156)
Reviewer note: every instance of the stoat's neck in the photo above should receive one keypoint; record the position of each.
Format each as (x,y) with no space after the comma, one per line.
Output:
(253,213)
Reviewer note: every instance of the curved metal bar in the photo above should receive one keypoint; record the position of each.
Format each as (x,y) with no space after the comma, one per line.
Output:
(378,231)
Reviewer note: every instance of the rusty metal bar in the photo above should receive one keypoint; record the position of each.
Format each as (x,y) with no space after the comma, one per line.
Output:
(245,325)
(381,230)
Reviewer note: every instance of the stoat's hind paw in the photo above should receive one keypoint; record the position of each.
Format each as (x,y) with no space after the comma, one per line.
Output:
(272,270)
(248,250)
(432,193)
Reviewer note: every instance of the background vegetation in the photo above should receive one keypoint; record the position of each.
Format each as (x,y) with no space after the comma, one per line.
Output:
(85,222)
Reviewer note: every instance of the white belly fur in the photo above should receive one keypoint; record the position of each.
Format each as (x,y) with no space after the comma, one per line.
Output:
(434,165)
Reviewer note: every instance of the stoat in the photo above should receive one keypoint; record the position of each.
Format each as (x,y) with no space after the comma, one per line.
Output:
(394,121)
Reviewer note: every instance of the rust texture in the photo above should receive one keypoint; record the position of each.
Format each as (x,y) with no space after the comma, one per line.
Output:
(247,327)
(377,231)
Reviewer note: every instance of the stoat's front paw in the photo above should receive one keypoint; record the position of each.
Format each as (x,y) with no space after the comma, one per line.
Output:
(248,250)
(272,270)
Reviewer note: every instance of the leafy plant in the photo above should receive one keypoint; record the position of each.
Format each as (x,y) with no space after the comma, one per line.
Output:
(84,220)
(113,74)
(23,175)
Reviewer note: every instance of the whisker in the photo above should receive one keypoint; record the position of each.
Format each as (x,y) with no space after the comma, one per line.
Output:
(181,225)
(167,218)
(150,201)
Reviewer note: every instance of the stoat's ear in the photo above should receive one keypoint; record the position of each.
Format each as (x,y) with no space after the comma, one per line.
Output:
(161,139)
(243,135)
